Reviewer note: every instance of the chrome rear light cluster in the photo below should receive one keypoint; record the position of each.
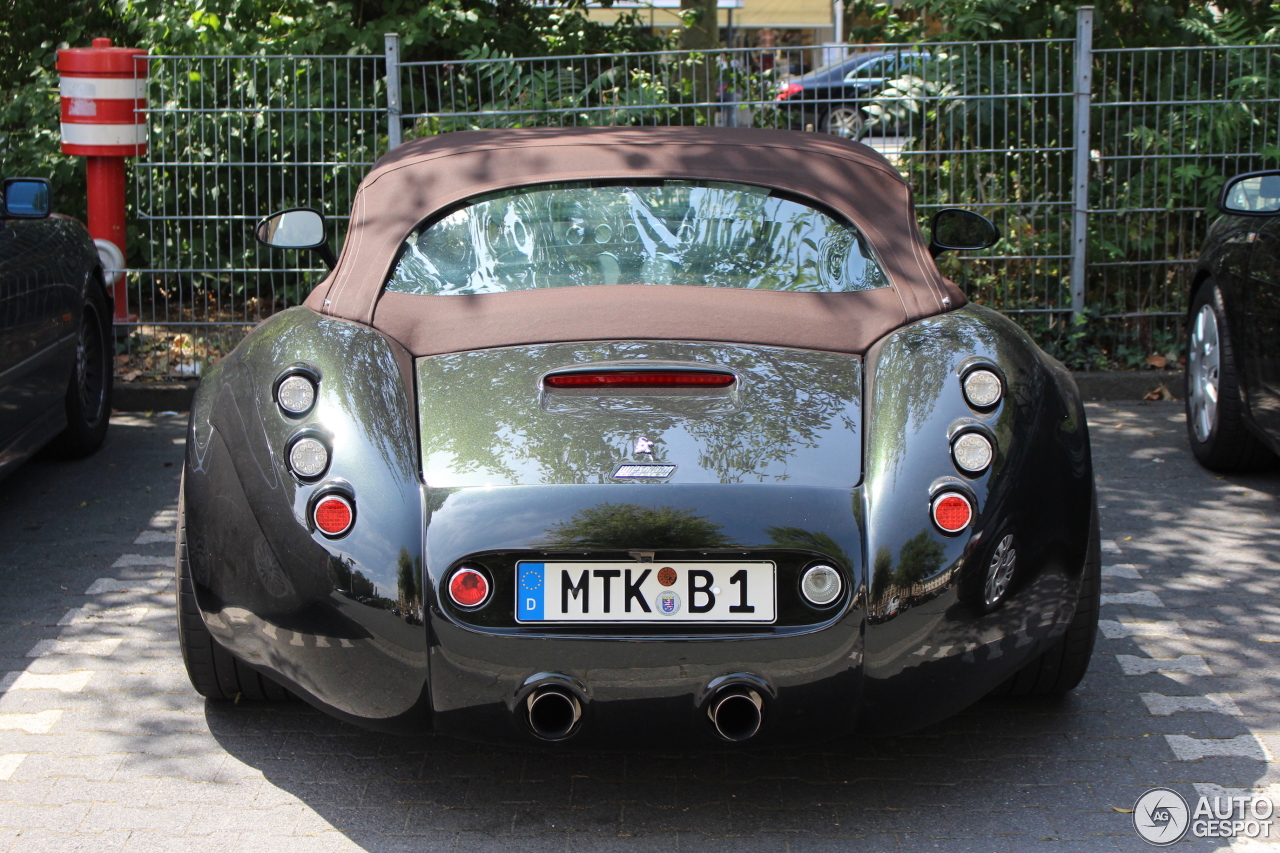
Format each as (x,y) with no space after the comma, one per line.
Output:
(973,449)
(333,512)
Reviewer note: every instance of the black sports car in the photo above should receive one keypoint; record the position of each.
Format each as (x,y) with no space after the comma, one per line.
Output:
(833,98)
(663,434)
(55,330)
(1233,331)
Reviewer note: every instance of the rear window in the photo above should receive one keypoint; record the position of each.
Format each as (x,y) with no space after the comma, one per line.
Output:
(673,232)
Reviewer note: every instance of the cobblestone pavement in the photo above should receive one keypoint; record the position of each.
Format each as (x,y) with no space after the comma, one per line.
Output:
(104,747)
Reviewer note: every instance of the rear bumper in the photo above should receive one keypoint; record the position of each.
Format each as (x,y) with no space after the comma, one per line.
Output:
(655,692)
(651,682)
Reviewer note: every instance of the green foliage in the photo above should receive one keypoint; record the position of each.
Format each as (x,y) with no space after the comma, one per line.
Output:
(31,31)
(799,539)
(214,112)
(1118,24)
(1159,165)
(1167,129)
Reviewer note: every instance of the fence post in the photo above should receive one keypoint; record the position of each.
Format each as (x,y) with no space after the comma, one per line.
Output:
(392,48)
(1083,91)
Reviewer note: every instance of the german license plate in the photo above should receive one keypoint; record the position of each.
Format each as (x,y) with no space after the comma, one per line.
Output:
(645,592)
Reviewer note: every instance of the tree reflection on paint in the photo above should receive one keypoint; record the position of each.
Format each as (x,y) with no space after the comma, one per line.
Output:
(620,526)
(919,561)
(480,414)
(799,539)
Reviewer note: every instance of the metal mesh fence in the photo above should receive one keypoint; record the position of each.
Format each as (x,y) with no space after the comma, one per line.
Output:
(1169,127)
(233,138)
(1125,147)
(983,125)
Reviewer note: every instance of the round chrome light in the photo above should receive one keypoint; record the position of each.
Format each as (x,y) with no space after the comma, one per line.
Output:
(469,588)
(333,515)
(952,512)
(296,394)
(982,389)
(820,585)
(972,452)
(308,457)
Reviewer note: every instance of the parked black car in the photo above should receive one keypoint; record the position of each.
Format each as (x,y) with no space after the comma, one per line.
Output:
(833,98)
(636,436)
(55,330)
(1233,331)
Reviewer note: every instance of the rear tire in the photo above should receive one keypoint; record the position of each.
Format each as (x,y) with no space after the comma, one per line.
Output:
(88,397)
(1061,667)
(1216,428)
(215,673)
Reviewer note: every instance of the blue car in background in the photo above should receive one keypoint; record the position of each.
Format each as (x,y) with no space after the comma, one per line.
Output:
(833,98)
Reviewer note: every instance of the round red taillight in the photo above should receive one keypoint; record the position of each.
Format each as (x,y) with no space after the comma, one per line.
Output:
(952,512)
(333,515)
(468,588)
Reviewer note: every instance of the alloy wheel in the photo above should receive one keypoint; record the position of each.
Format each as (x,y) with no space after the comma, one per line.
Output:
(1000,571)
(1203,365)
(845,122)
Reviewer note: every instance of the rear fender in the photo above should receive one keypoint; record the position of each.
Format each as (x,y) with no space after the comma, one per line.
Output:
(932,646)
(338,620)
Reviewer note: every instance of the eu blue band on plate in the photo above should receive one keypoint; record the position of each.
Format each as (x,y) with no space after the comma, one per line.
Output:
(530,590)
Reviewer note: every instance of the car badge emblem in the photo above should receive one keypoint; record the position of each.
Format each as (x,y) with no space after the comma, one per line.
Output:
(668,603)
(643,472)
(643,446)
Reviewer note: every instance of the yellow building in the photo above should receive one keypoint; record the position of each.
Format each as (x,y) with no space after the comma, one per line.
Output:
(753,23)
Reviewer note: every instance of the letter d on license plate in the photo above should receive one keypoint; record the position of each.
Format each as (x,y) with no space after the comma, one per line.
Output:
(645,592)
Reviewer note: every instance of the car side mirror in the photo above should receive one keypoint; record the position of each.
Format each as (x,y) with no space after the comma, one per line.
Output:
(957,228)
(1255,194)
(27,198)
(297,228)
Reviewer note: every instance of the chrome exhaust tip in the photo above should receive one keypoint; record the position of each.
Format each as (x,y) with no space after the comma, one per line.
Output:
(736,712)
(553,713)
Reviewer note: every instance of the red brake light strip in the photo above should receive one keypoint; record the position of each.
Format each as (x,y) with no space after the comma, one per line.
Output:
(640,379)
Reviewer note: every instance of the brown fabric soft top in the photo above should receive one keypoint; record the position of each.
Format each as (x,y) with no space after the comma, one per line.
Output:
(421,178)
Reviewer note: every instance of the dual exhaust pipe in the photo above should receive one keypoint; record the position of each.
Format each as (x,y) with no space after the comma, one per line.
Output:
(554,712)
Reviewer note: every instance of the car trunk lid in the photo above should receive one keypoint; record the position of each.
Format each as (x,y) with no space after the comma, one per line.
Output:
(526,416)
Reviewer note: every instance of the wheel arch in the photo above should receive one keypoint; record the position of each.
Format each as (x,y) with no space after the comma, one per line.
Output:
(1203,274)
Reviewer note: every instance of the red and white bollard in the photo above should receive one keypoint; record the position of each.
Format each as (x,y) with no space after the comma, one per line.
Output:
(104,119)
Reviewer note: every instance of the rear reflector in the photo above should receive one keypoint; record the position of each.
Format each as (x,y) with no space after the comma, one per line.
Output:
(952,512)
(468,588)
(640,379)
(333,515)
